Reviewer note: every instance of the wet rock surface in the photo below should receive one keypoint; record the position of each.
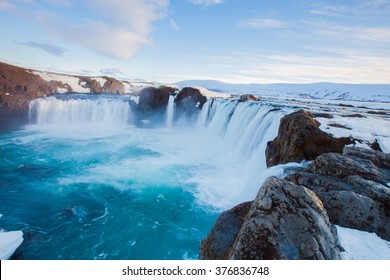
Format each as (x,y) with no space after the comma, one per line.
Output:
(299,138)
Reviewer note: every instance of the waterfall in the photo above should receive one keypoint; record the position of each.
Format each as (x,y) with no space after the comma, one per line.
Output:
(170,112)
(80,110)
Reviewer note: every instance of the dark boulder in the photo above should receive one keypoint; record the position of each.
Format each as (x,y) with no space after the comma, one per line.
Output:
(151,105)
(299,138)
(218,243)
(380,159)
(353,202)
(248,97)
(286,221)
(188,102)
(342,166)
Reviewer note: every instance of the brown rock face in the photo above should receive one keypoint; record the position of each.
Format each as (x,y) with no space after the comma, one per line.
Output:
(285,221)
(248,97)
(17,87)
(188,102)
(299,138)
(220,240)
(152,105)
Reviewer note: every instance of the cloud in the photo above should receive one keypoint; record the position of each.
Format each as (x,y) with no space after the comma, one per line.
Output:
(173,24)
(49,48)
(206,2)
(5,5)
(378,34)
(260,23)
(331,10)
(115,29)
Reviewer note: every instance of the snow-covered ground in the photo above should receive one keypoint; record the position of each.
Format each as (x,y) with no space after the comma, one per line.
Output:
(328,91)
(72,81)
(369,129)
(360,245)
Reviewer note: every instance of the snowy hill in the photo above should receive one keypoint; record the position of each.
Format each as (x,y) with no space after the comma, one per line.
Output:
(358,92)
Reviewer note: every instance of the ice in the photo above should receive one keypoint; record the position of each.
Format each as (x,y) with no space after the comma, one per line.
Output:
(9,242)
(360,245)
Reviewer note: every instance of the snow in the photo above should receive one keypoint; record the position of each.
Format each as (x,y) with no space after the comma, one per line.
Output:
(368,129)
(135,98)
(360,245)
(100,80)
(72,81)
(9,242)
(62,90)
(329,91)
(212,94)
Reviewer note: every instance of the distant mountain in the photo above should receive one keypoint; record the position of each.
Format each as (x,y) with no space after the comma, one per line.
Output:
(334,91)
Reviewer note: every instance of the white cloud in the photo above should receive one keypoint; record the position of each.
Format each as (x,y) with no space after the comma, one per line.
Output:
(379,34)
(331,10)
(260,23)
(4,4)
(123,28)
(206,2)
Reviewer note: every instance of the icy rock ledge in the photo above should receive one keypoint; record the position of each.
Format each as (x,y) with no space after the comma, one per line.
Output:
(9,242)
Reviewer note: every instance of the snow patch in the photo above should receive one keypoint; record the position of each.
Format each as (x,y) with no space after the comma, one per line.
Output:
(100,80)
(367,129)
(212,94)
(62,90)
(73,82)
(361,245)
(135,98)
(9,242)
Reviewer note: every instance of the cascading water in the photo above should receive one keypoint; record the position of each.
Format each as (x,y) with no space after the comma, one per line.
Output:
(80,110)
(170,112)
(133,193)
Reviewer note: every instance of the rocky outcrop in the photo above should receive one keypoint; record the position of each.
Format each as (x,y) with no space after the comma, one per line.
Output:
(18,86)
(353,188)
(218,243)
(299,138)
(248,97)
(285,221)
(152,104)
(188,102)
(293,218)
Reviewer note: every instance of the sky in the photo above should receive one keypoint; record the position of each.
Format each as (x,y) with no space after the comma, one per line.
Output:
(235,41)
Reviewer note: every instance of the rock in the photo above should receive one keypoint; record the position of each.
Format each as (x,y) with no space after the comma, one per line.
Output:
(341,166)
(217,244)
(188,102)
(355,116)
(152,105)
(248,97)
(354,202)
(339,126)
(299,138)
(380,159)
(323,115)
(285,221)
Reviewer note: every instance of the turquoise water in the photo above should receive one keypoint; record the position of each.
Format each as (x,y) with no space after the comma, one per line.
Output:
(91,198)
(82,182)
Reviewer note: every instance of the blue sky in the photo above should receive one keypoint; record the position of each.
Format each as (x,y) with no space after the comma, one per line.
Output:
(237,41)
